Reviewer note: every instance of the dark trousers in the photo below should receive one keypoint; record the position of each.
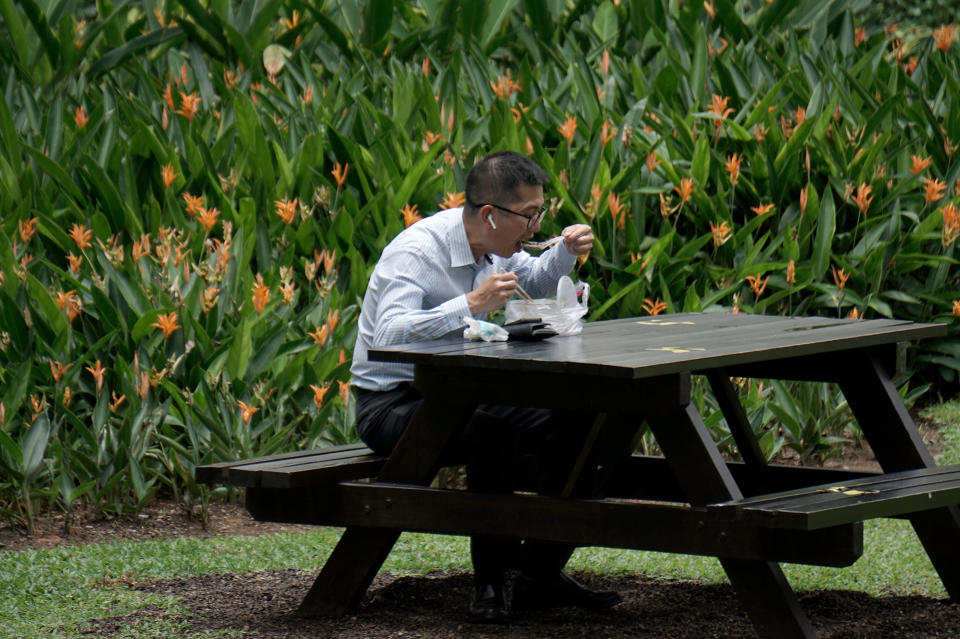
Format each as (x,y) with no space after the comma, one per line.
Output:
(505,448)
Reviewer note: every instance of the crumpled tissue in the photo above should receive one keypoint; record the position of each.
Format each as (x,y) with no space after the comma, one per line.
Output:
(487,331)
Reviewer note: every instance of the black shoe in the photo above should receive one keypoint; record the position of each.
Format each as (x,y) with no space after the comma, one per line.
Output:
(489,606)
(560,590)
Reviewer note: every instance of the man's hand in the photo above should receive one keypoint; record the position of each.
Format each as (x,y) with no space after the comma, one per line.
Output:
(493,292)
(578,239)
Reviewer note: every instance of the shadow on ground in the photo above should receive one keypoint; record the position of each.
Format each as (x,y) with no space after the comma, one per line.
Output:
(263,605)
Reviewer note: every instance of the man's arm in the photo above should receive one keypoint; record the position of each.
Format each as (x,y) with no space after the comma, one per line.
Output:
(539,275)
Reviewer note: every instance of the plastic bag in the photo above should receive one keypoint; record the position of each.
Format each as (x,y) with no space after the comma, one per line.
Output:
(562,314)
(487,331)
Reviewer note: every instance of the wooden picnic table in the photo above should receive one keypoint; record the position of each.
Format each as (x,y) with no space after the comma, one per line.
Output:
(635,373)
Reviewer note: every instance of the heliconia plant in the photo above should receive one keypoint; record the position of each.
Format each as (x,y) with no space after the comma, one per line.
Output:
(192,198)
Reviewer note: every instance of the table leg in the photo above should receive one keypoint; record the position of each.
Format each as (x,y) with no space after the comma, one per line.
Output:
(360,553)
(702,474)
(736,418)
(896,442)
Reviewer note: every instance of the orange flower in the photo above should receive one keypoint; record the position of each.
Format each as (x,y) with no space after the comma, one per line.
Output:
(208,218)
(665,209)
(67,397)
(944,36)
(933,190)
(710,9)
(97,370)
(854,314)
(344,392)
(685,189)
(319,392)
(409,213)
(209,299)
(286,209)
(261,294)
(168,96)
(801,115)
(956,308)
(721,233)
(951,224)
(339,174)
(918,164)
(607,132)
(168,175)
(286,292)
(718,106)
(58,370)
(320,335)
(167,324)
(859,36)
(762,209)
(733,167)
(791,273)
(80,117)
(863,197)
(70,303)
(329,260)
(453,200)
(141,247)
(425,66)
(27,229)
(617,210)
(116,401)
(652,161)
(654,307)
(81,235)
(246,411)
(504,86)
(760,132)
(333,318)
(429,138)
(74,263)
(194,203)
(188,105)
(839,277)
(803,198)
(568,128)
(757,285)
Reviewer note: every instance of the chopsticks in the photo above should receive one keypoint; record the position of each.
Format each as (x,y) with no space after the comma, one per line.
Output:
(520,292)
(541,246)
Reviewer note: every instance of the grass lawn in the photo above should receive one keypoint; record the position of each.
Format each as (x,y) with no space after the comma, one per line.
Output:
(55,592)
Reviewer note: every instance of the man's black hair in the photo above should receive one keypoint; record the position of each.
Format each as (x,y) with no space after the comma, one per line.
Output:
(493,179)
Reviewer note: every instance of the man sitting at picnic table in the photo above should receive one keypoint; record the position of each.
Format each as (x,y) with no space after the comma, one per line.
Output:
(468,262)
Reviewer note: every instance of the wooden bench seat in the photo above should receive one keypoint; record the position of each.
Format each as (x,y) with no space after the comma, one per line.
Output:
(888,495)
(296,470)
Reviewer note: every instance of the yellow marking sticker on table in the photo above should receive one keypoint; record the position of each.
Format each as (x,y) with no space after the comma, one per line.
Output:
(848,491)
(664,322)
(676,350)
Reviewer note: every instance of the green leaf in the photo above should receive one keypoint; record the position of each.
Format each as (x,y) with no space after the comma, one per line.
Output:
(826,227)
(35,445)
(241,350)
(377,22)
(498,12)
(605,23)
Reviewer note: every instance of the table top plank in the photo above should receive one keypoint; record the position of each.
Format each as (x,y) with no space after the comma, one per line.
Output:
(645,347)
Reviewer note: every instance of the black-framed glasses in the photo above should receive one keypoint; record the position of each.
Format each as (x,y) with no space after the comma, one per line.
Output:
(532,220)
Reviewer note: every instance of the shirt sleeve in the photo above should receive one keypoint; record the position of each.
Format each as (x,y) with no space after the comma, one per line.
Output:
(404,280)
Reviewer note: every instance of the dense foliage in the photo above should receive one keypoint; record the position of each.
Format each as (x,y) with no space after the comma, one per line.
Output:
(194,193)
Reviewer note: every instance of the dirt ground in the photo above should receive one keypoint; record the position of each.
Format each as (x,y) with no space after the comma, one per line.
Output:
(264,604)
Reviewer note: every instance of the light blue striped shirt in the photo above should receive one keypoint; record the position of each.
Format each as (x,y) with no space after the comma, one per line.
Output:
(418,290)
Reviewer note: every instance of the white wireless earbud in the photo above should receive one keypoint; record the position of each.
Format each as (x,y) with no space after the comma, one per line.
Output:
(493,224)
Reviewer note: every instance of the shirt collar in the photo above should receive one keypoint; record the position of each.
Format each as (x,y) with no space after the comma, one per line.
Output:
(460,253)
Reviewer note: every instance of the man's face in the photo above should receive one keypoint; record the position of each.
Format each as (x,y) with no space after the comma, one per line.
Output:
(512,230)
